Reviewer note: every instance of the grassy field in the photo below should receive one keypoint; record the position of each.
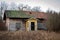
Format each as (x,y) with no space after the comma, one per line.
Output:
(32,35)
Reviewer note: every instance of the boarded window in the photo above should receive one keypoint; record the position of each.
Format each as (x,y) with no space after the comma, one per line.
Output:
(18,26)
(41,26)
(12,26)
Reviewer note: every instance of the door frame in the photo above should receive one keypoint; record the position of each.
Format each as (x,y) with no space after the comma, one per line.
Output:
(28,24)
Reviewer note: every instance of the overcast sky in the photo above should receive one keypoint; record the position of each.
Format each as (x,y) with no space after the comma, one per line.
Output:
(44,4)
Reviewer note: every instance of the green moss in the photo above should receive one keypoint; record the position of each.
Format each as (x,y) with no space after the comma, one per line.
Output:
(18,14)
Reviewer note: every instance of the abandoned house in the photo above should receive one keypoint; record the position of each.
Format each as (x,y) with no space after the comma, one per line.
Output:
(24,20)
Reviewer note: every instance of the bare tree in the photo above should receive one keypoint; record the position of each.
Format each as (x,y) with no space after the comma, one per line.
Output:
(24,7)
(3,7)
(13,6)
(53,22)
(20,6)
(50,11)
(28,8)
(36,9)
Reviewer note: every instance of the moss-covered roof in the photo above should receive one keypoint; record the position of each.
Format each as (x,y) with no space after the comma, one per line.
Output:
(17,14)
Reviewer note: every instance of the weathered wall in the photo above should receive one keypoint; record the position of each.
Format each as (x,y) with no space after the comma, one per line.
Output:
(11,24)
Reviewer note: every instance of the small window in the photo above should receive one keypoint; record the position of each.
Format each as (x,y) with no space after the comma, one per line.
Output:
(18,26)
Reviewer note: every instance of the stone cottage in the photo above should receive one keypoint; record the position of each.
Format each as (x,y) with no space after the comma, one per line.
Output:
(24,20)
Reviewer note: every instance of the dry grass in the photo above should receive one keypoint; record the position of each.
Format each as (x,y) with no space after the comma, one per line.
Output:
(32,35)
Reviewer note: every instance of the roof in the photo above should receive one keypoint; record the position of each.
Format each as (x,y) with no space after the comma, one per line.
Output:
(17,14)
(38,14)
(25,14)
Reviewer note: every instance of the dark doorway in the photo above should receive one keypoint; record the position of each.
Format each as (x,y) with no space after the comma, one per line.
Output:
(32,26)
